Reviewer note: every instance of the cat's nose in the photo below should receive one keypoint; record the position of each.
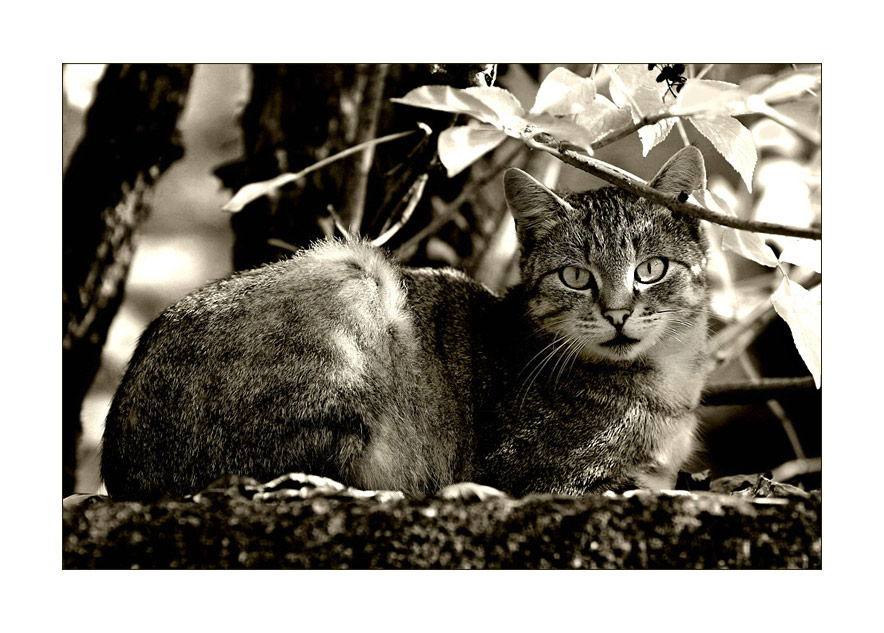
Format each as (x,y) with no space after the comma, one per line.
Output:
(617,317)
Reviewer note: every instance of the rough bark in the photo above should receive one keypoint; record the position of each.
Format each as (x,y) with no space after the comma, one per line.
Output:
(760,525)
(130,140)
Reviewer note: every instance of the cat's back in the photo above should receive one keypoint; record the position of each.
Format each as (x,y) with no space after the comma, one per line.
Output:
(326,362)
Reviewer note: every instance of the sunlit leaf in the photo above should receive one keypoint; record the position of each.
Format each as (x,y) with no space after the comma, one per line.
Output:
(508,112)
(746,243)
(255,190)
(567,97)
(710,98)
(801,252)
(602,117)
(448,99)
(786,194)
(461,146)
(634,86)
(788,84)
(802,309)
(653,135)
(563,129)
(733,141)
(563,93)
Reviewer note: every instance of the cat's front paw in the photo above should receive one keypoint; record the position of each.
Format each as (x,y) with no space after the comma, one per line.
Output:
(469,491)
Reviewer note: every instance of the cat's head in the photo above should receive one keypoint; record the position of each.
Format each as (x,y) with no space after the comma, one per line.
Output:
(609,273)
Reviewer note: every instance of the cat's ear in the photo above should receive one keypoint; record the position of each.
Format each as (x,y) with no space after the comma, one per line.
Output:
(684,172)
(534,206)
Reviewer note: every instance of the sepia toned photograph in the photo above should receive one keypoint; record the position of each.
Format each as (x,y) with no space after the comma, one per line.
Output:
(429,316)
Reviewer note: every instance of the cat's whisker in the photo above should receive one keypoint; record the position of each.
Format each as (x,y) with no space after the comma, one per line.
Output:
(571,357)
(573,343)
(543,349)
(532,377)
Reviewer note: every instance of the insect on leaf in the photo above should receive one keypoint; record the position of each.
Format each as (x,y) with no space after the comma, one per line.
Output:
(634,86)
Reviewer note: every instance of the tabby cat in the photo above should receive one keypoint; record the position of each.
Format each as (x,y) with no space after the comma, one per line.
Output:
(341,362)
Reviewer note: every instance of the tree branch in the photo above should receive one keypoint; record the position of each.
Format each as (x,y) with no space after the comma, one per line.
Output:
(755,391)
(630,183)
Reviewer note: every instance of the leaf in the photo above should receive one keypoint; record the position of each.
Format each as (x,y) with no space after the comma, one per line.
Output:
(633,85)
(461,146)
(746,243)
(570,98)
(653,135)
(786,85)
(563,129)
(802,309)
(448,99)
(508,112)
(801,252)
(603,117)
(564,93)
(733,141)
(791,86)
(710,98)
(255,190)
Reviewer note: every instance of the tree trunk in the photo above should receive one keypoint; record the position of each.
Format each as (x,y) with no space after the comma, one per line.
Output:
(130,140)
(299,114)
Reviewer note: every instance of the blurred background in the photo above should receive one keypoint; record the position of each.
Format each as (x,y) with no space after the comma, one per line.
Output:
(239,123)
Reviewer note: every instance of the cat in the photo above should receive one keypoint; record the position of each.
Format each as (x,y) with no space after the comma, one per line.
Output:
(342,363)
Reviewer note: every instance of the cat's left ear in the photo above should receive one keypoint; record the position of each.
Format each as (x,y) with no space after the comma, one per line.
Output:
(684,172)
(533,205)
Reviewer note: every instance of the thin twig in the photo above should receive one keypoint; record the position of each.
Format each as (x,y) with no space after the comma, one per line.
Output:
(414,195)
(705,71)
(650,119)
(617,177)
(775,407)
(255,190)
(682,132)
(785,472)
(731,341)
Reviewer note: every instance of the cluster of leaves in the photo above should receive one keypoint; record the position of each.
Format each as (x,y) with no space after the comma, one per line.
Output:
(570,112)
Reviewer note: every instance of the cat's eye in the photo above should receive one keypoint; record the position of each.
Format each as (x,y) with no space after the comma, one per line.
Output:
(576,278)
(651,270)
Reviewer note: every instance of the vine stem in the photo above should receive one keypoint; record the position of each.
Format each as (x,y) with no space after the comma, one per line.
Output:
(634,185)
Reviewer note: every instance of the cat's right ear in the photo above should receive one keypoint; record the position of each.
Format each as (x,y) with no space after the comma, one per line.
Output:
(534,206)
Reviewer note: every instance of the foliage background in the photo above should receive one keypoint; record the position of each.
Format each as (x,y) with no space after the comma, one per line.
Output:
(186,241)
